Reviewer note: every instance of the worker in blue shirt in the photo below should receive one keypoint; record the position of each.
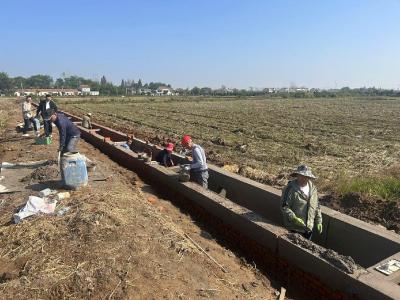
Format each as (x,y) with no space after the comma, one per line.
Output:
(198,167)
(69,134)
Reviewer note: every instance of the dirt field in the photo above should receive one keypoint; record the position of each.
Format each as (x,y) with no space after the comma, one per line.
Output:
(264,139)
(119,240)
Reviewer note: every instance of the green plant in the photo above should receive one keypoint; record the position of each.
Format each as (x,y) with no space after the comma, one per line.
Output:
(387,188)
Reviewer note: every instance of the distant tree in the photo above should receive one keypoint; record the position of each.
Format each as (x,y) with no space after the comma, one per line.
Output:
(195,91)
(139,84)
(122,83)
(156,85)
(18,82)
(5,82)
(59,83)
(108,89)
(39,81)
(103,80)
(205,91)
(73,82)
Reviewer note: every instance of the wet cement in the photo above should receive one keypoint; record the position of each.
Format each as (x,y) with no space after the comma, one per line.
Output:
(344,263)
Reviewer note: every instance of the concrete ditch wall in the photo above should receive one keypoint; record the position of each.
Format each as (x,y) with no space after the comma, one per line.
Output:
(254,209)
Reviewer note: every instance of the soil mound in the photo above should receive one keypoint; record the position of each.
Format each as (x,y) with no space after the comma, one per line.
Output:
(44,173)
(384,212)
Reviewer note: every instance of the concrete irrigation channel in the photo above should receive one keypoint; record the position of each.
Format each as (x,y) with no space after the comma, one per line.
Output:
(248,214)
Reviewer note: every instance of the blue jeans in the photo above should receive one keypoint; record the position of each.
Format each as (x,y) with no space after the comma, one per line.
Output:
(200,177)
(70,144)
(26,124)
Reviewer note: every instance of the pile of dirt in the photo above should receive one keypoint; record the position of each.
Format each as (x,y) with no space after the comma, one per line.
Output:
(279,180)
(344,263)
(373,210)
(44,173)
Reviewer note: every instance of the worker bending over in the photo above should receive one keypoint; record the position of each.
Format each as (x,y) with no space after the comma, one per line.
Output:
(164,157)
(198,166)
(300,206)
(68,132)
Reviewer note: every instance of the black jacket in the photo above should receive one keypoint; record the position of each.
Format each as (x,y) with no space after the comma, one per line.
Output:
(164,158)
(42,107)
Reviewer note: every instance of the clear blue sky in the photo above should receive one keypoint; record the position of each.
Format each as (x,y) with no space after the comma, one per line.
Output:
(206,42)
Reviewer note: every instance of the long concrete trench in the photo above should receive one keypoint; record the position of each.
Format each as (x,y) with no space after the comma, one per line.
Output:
(249,215)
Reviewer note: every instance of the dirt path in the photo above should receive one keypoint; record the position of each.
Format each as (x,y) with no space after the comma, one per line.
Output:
(118,241)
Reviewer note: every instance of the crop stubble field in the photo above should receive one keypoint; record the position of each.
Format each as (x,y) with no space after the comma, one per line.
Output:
(265,138)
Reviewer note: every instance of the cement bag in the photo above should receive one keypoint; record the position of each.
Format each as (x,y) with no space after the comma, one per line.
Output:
(33,206)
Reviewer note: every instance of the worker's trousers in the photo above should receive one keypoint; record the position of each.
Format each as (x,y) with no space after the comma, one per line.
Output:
(200,177)
(70,144)
(26,124)
(48,127)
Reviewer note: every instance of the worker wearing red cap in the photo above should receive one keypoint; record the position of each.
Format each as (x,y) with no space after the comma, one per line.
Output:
(164,157)
(198,167)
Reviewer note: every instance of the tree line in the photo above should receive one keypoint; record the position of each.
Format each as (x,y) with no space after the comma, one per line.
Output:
(130,87)
(8,85)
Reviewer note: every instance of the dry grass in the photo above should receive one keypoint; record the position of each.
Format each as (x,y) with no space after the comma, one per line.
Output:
(78,251)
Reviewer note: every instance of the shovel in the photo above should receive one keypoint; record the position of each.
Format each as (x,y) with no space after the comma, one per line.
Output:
(58,158)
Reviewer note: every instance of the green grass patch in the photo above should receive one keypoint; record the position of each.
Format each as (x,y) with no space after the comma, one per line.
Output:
(387,188)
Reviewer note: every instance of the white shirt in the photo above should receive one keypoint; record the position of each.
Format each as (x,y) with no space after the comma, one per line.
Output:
(47,105)
(306,189)
(26,110)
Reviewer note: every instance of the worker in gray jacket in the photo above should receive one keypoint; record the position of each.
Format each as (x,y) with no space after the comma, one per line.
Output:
(300,206)
(86,122)
(198,167)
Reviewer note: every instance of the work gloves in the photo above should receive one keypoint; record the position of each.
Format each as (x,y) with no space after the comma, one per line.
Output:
(298,221)
(319,228)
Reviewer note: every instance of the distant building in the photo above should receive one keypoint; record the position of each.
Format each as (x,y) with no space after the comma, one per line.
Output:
(165,91)
(224,91)
(270,90)
(147,92)
(302,89)
(44,92)
(85,89)
(55,92)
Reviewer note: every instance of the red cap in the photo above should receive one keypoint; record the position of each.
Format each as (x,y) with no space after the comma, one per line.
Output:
(170,147)
(186,139)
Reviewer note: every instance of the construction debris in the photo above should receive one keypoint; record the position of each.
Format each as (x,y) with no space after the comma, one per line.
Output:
(34,206)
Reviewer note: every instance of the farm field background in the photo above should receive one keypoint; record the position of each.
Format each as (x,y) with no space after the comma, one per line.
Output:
(264,138)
